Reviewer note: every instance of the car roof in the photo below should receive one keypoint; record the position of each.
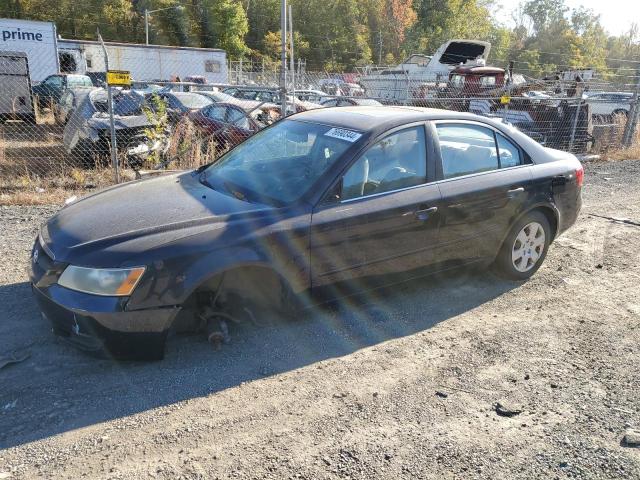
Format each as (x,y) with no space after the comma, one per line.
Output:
(380,118)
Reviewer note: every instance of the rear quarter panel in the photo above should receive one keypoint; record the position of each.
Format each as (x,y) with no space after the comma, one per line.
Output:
(564,195)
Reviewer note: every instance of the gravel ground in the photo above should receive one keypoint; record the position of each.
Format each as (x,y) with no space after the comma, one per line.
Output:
(400,386)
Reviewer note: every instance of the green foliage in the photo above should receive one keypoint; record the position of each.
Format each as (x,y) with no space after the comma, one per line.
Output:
(156,114)
(272,46)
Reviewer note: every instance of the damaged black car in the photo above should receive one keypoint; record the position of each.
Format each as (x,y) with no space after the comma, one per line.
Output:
(87,132)
(320,205)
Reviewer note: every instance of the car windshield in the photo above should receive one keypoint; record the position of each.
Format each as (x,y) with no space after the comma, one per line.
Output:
(125,103)
(279,164)
(193,100)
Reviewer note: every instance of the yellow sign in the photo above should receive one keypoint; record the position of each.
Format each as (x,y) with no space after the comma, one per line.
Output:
(505,99)
(119,77)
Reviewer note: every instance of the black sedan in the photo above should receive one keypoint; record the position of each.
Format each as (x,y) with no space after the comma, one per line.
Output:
(321,204)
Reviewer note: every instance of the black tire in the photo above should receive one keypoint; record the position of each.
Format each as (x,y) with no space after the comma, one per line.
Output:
(505,266)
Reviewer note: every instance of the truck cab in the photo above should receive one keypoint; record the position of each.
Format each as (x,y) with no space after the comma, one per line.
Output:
(473,81)
(51,88)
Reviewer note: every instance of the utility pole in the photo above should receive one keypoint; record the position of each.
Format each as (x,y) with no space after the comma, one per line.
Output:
(379,47)
(293,64)
(146,26)
(283,66)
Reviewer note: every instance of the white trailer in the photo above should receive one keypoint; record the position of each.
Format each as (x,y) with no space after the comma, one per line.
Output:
(37,40)
(148,62)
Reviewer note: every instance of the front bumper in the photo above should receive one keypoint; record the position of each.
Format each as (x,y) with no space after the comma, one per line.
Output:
(91,321)
(100,328)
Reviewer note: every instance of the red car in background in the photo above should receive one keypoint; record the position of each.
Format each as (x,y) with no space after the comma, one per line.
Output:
(228,124)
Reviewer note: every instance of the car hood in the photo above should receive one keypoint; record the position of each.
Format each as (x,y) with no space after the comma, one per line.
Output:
(113,227)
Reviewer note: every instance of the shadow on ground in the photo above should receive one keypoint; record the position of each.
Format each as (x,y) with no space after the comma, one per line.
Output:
(60,389)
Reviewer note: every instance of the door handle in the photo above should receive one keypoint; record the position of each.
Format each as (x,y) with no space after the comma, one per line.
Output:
(514,192)
(425,214)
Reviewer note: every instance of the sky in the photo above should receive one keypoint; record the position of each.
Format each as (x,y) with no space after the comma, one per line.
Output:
(616,15)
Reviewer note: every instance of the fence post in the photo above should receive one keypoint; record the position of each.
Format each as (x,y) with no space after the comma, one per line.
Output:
(112,125)
(293,63)
(632,118)
(283,54)
(575,125)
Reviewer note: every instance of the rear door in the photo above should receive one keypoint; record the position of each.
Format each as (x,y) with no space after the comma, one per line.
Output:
(382,217)
(485,182)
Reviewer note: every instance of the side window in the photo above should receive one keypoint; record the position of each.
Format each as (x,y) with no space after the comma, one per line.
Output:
(466,149)
(397,161)
(53,82)
(216,113)
(330,103)
(264,96)
(238,118)
(510,155)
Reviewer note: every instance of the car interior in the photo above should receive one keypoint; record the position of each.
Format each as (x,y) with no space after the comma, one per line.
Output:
(395,162)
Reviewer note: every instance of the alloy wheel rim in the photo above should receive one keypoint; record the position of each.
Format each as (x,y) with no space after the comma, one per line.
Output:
(528,247)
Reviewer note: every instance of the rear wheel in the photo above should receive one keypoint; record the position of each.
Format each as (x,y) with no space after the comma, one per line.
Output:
(525,247)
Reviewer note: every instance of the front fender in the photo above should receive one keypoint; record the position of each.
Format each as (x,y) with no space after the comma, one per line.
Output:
(171,283)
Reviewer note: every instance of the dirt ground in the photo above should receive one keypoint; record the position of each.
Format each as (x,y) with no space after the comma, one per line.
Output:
(398,386)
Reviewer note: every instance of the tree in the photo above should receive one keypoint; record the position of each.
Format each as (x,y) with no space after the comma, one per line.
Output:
(231,27)
(442,20)
(272,45)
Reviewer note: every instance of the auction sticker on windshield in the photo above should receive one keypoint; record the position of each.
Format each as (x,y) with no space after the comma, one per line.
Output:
(343,134)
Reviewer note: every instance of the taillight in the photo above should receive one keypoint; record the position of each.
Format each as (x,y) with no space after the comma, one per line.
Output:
(579,175)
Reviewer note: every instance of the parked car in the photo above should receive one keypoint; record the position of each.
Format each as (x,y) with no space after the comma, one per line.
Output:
(352,90)
(51,88)
(314,96)
(181,103)
(262,94)
(610,103)
(69,101)
(321,204)
(229,124)
(87,132)
(349,102)
(99,79)
(218,97)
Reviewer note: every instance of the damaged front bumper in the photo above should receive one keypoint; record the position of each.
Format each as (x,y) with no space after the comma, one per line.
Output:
(94,322)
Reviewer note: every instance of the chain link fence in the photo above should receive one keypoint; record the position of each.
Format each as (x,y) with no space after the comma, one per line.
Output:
(56,130)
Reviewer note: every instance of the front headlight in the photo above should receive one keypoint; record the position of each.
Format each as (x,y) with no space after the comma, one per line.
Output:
(113,282)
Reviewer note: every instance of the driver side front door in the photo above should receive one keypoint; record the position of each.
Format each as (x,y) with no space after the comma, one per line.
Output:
(384,222)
